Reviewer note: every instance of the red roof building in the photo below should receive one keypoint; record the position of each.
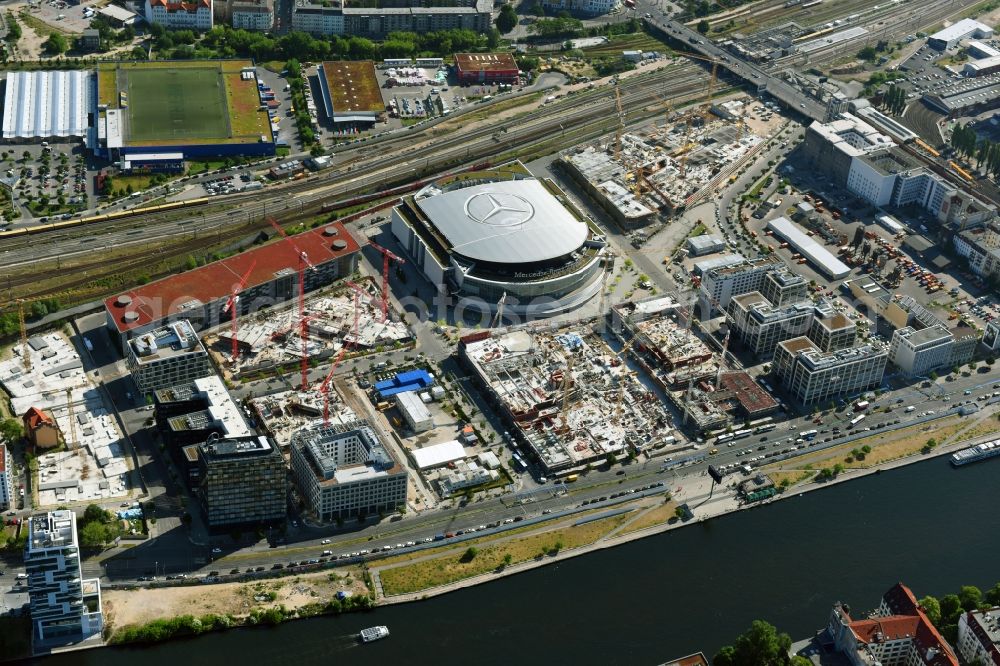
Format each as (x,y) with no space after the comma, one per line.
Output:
(40,428)
(199,295)
(489,68)
(897,634)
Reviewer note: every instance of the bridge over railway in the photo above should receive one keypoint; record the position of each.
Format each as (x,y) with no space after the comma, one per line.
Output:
(763,81)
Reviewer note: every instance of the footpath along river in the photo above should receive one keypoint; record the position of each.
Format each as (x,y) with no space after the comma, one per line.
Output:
(929,525)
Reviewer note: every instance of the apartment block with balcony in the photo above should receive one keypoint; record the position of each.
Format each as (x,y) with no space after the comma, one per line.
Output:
(65,608)
(6,478)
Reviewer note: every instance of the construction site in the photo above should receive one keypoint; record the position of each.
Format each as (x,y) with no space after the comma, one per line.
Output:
(645,175)
(705,393)
(571,400)
(350,318)
(282,413)
(76,440)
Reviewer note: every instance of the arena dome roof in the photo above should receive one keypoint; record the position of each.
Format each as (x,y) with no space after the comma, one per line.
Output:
(507,222)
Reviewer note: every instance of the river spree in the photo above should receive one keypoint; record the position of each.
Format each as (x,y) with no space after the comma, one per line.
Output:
(928,525)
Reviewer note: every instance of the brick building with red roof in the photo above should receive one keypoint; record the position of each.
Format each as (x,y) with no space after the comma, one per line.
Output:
(40,428)
(898,633)
(199,295)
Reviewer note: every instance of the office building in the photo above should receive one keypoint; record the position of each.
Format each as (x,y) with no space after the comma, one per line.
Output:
(782,286)
(831,329)
(345,471)
(982,248)
(979,636)
(6,478)
(65,608)
(719,285)
(243,483)
(195,15)
(761,326)
(813,376)
(918,352)
(166,357)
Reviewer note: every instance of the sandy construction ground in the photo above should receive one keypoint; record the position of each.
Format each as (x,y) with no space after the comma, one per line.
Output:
(124,607)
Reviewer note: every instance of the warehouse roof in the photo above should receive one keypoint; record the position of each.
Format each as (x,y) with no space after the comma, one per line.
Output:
(46,104)
(808,248)
(352,86)
(506,222)
(962,29)
(438,454)
(214,281)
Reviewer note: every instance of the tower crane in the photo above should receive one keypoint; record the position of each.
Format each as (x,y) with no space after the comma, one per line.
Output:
(303,330)
(701,111)
(498,317)
(234,298)
(72,444)
(621,124)
(386,256)
(25,357)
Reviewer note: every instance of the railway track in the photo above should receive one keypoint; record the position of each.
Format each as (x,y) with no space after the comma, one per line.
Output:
(536,128)
(361,174)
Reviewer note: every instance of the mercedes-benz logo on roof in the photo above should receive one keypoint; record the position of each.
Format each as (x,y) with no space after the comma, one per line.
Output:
(499,209)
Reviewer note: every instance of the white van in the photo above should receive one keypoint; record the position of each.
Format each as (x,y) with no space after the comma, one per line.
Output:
(21,576)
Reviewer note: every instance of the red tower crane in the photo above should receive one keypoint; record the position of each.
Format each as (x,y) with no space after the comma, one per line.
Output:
(234,298)
(386,256)
(324,388)
(303,329)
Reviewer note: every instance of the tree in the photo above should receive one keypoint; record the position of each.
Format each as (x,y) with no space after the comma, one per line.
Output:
(55,45)
(760,645)
(506,19)
(932,607)
(703,26)
(867,53)
(970,596)
(993,595)
(94,513)
(12,430)
(951,608)
(94,534)
(470,554)
(507,559)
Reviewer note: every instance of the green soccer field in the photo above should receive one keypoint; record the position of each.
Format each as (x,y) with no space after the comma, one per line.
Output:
(184,103)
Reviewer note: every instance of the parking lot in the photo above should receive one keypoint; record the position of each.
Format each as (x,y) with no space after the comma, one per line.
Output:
(51,179)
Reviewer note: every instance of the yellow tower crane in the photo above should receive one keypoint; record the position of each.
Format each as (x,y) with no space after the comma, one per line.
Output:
(72,443)
(24,336)
(621,124)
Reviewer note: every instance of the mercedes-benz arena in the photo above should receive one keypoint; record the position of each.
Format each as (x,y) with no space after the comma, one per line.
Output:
(480,239)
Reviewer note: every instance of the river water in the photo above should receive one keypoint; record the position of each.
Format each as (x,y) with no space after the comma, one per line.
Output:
(929,525)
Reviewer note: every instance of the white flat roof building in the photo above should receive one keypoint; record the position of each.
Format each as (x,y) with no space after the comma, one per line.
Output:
(819,256)
(413,409)
(43,104)
(956,32)
(438,454)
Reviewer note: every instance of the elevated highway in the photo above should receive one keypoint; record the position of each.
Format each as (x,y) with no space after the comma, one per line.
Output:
(760,79)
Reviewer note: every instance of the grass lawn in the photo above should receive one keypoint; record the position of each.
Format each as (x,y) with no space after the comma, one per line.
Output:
(637,41)
(658,515)
(455,566)
(886,446)
(183,103)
